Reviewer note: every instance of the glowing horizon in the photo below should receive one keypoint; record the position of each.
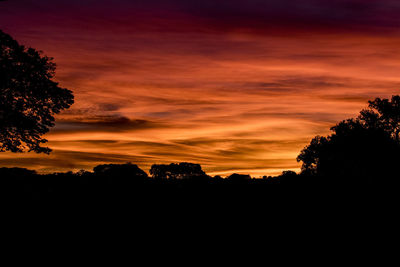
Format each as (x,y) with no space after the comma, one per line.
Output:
(238,86)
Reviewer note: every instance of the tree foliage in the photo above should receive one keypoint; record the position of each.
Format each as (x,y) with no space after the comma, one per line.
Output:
(364,147)
(173,171)
(383,114)
(29,98)
(239,178)
(120,170)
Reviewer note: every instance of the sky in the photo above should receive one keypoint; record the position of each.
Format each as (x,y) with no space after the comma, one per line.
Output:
(236,86)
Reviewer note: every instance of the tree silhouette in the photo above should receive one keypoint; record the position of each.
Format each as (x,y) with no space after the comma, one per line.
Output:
(128,170)
(28,97)
(174,171)
(238,178)
(363,148)
(383,114)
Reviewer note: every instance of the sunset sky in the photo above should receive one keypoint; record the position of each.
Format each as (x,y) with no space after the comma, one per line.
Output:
(236,86)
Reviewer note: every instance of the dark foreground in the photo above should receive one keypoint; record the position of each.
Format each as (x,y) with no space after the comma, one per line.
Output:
(159,210)
(107,188)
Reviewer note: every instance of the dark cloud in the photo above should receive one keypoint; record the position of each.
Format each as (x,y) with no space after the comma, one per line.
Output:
(106,123)
(262,14)
(226,15)
(106,107)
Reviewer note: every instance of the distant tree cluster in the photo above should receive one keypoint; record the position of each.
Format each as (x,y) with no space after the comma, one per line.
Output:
(177,171)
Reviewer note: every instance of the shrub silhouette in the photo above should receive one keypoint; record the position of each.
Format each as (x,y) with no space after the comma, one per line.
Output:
(28,97)
(362,149)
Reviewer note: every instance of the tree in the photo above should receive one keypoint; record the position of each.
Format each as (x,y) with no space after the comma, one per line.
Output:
(239,178)
(127,170)
(175,171)
(29,98)
(363,148)
(383,114)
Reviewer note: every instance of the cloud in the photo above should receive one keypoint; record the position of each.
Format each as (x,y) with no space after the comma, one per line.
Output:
(106,123)
(254,16)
